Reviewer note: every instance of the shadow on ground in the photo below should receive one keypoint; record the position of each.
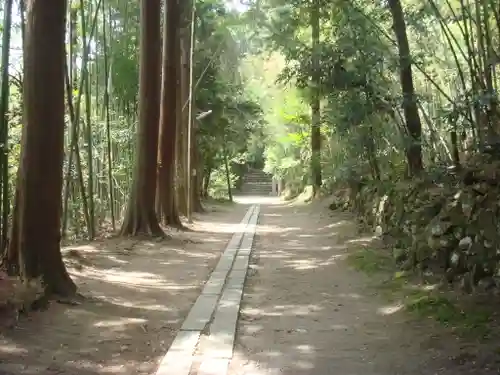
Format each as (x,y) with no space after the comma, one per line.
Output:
(305,311)
(138,294)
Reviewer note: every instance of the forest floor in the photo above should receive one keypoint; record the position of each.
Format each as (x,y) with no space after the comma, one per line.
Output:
(138,294)
(305,310)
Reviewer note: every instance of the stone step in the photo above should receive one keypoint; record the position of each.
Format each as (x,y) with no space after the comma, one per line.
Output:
(257,183)
(260,174)
(258,179)
(255,194)
(257,188)
(257,174)
(264,188)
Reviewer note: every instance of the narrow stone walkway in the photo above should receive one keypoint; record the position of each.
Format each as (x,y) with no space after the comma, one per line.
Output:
(204,344)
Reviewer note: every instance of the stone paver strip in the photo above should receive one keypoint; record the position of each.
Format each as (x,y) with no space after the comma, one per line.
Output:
(241,262)
(179,357)
(215,283)
(177,364)
(185,341)
(221,294)
(200,313)
(233,245)
(223,327)
(214,366)
(224,264)
(236,279)
(245,247)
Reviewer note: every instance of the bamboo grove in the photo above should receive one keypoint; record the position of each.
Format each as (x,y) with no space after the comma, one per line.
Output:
(101,126)
(382,89)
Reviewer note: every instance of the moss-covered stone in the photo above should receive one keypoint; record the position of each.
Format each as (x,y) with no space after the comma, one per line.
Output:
(450,221)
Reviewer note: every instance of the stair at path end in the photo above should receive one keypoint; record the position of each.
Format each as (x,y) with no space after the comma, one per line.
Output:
(257,182)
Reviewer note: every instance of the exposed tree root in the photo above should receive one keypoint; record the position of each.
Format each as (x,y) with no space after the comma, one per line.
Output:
(141,221)
(174,221)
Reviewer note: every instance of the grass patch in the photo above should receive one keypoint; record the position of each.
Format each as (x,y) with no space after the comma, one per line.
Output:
(459,313)
(370,261)
(465,321)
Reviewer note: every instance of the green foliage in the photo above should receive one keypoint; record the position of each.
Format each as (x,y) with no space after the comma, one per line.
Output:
(370,261)
(218,184)
(363,126)
(254,71)
(113,65)
(235,115)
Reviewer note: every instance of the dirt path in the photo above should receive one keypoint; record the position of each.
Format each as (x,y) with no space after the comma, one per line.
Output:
(304,311)
(139,295)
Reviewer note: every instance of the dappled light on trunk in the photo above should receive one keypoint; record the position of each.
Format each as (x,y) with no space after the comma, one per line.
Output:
(35,234)
(140,217)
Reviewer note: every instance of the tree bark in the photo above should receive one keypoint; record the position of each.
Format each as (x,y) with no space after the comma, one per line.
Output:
(10,259)
(412,117)
(141,216)
(182,122)
(35,235)
(206,181)
(454,148)
(196,204)
(315,102)
(228,173)
(168,115)
(4,124)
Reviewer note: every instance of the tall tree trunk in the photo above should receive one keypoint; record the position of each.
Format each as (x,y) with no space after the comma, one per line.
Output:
(206,181)
(88,133)
(412,118)
(37,216)
(190,132)
(109,157)
(315,101)
(141,216)
(228,173)
(454,147)
(4,124)
(168,115)
(182,120)
(196,179)
(10,258)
